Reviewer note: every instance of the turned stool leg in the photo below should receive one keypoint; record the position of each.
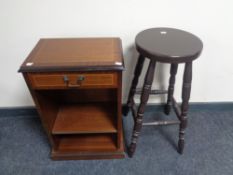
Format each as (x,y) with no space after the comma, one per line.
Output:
(144,98)
(137,73)
(172,80)
(187,79)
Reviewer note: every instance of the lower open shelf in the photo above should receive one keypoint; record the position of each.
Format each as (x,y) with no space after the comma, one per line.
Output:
(82,124)
(87,146)
(85,118)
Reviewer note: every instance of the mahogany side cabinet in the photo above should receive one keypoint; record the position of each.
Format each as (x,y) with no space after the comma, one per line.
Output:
(76,84)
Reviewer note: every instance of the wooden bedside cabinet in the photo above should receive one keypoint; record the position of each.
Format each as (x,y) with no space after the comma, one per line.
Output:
(76,85)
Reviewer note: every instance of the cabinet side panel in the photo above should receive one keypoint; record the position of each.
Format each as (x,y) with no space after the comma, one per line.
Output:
(119,111)
(46,108)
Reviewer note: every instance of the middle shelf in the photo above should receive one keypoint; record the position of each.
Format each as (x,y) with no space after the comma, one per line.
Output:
(82,118)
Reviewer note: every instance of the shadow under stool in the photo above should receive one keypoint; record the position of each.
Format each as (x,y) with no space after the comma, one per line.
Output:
(165,45)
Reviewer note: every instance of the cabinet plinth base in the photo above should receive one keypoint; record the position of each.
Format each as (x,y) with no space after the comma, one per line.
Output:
(87,156)
(91,146)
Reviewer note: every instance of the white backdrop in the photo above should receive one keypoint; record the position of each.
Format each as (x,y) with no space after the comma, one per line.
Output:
(23,22)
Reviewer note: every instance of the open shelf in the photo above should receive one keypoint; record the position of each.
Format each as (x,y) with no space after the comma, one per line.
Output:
(85,146)
(82,118)
(87,142)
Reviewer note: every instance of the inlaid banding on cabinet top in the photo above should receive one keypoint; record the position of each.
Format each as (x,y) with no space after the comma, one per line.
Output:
(86,50)
(75,52)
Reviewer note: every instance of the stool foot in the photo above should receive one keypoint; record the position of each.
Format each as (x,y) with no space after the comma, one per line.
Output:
(135,135)
(181,146)
(125,110)
(131,150)
(167,109)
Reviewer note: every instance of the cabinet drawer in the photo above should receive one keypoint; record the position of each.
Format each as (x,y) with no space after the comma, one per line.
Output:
(72,80)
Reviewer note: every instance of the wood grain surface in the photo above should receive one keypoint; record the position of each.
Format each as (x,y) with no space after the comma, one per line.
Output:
(85,118)
(74,54)
(56,80)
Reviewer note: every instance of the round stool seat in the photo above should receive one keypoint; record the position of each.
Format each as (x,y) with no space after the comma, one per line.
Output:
(168,45)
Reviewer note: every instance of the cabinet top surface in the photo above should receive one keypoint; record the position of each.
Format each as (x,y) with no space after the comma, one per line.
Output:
(74,54)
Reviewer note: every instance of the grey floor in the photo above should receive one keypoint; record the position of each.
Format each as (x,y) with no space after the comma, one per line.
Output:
(24,148)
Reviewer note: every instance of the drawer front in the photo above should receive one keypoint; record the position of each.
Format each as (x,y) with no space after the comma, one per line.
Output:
(72,80)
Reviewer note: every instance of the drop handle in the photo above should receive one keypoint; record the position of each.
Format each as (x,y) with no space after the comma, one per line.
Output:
(70,85)
(81,78)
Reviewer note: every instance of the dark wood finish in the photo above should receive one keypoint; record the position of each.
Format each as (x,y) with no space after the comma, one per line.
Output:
(171,46)
(132,91)
(140,112)
(187,79)
(75,54)
(172,80)
(74,119)
(176,108)
(156,123)
(168,45)
(134,111)
(77,85)
(153,92)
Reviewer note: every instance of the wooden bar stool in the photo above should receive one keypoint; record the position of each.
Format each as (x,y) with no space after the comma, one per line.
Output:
(166,45)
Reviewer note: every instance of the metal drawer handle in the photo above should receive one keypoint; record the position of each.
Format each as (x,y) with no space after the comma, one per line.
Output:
(81,78)
(79,81)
